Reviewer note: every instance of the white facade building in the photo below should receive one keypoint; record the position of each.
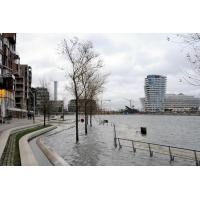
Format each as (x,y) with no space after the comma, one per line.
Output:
(181,103)
(155,89)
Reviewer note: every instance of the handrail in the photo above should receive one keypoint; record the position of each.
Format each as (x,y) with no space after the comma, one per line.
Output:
(172,156)
(164,145)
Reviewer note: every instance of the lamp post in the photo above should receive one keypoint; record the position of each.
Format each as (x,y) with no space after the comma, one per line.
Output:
(64,98)
(33,94)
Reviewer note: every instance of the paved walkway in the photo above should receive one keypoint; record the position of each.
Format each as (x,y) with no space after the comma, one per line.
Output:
(16,123)
(97,148)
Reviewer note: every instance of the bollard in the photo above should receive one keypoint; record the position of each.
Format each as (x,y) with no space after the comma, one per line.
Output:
(196,160)
(151,152)
(170,154)
(134,149)
(119,144)
(143,130)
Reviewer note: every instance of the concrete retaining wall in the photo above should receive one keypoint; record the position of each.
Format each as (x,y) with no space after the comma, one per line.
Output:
(5,135)
(52,156)
(26,153)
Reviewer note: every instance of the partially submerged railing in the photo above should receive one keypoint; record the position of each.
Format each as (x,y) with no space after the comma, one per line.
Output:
(152,148)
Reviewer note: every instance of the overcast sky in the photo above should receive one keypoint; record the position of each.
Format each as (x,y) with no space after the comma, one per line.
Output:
(129,58)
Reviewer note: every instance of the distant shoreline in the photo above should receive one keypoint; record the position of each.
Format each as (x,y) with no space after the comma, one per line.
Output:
(171,114)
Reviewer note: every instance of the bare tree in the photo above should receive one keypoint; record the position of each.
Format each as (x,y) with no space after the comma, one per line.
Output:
(191,43)
(95,87)
(81,56)
(89,79)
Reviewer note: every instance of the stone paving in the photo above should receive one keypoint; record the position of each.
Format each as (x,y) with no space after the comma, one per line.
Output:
(8,156)
(15,123)
(8,143)
(97,148)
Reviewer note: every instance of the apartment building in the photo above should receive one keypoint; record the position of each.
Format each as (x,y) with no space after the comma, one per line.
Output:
(157,101)
(23,88)
(15,79)
(9,61)
(155,89)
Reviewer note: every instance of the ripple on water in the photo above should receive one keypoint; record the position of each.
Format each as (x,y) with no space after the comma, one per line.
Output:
(97,147)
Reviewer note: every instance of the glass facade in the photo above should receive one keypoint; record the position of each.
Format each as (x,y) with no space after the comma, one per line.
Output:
(155,89)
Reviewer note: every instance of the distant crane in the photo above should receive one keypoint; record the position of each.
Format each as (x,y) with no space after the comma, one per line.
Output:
(130,101)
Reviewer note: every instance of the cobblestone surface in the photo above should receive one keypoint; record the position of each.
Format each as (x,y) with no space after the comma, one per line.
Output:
(8,156)
(9,153)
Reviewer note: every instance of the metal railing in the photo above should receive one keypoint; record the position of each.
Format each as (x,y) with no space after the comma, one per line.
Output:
(171,151)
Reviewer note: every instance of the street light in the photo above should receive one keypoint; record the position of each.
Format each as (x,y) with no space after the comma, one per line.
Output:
(33,94)
(63,108)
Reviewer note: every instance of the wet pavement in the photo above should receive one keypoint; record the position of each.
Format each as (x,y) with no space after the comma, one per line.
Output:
(97,149)
(15,123)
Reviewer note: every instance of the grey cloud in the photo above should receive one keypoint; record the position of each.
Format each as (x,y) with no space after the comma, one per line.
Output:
(128,58)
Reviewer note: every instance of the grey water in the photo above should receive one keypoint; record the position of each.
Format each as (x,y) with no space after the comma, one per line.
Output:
(97,147)
(39,155)
(181,131)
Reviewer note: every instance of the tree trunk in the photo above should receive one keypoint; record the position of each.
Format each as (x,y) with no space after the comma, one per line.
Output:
(44,116)
(77,138)
(48,115)
(76,102)
(85,106)
(63,112)
(90,115)
(90,119)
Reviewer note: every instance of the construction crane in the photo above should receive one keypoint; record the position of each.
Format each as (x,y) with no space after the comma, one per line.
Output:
(130,101)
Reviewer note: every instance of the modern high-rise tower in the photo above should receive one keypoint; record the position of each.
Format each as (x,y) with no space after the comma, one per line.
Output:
(55,90)
(155,89)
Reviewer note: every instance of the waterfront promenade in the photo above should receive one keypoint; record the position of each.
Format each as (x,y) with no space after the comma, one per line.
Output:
(16,123)
(97,148)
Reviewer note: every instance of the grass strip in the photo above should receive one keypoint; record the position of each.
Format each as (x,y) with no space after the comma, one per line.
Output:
(11,155)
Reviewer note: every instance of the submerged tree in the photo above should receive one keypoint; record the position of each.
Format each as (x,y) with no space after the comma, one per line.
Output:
(91,85)
(95,87)
(83,63)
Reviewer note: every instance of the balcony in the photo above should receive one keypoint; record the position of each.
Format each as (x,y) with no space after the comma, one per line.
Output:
(19,95)
(19,83)
(11,37)
(20,89)
(6,70)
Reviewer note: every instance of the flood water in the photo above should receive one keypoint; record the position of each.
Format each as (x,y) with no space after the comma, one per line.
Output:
(97,147)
